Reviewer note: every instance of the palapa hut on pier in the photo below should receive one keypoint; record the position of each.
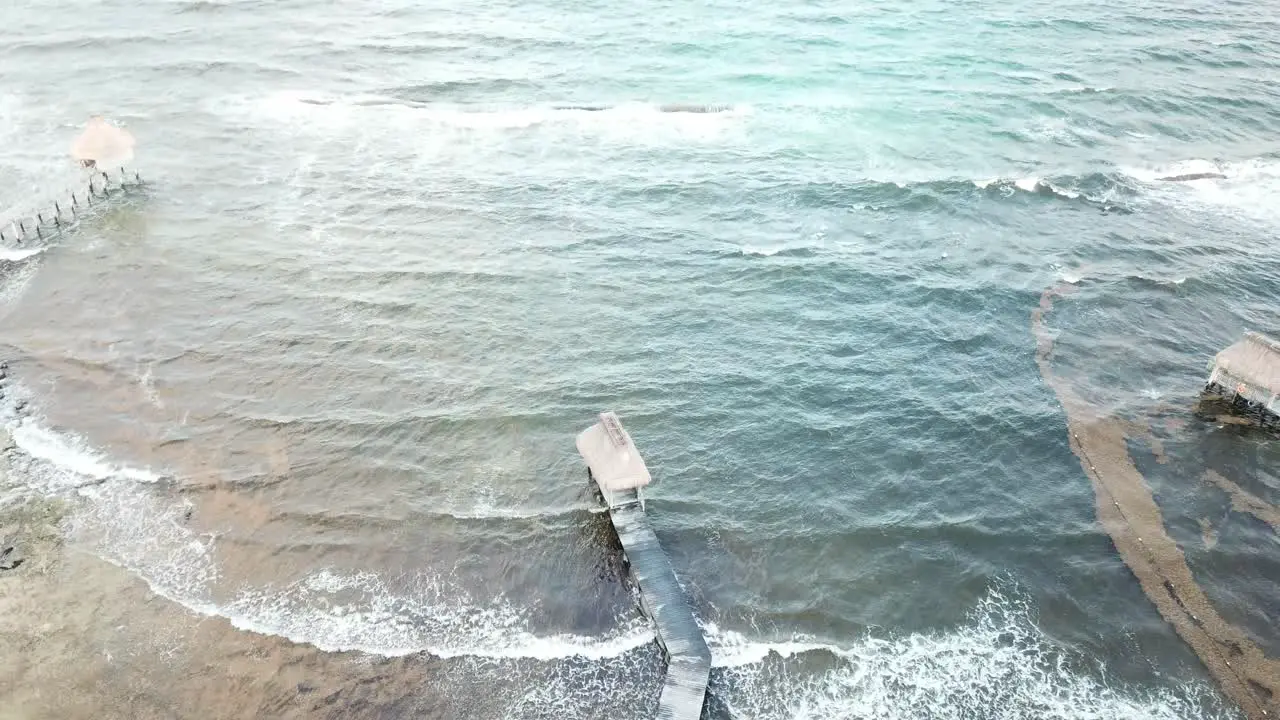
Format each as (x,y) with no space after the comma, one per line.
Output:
(1244,380)
(618,470)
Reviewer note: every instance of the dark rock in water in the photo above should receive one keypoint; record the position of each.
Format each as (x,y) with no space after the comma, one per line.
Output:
(7,561)
(1194,176)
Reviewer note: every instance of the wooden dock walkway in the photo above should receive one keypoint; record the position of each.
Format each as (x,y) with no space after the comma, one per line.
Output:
(616,467)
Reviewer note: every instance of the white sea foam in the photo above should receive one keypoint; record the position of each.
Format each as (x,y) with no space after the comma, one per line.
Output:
(70,462)
(763,252)
(776,250)
(1250,188)
(731,649)
(16,254)
(1063,192)
(997,665)
(1027,184)
(302,112)
(1034,184)
(1186,167)
(121,516)
(338,612)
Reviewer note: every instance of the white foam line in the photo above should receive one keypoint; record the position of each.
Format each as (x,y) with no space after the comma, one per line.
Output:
(1030,184)
(999,656)
(71,454)
(364,114)
(733,649)
(1250,188)
(1027,184)
(762,252)
(339,612)
(16,254)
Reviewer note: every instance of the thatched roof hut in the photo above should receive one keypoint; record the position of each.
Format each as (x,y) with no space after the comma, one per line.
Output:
(1249,371)
(103,145)
(613,459)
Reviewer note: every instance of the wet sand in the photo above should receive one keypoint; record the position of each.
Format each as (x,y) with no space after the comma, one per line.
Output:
(1130,515)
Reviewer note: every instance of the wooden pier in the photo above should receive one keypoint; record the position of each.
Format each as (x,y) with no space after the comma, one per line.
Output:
(65,210)
(99,148)
(615,465)
(1244,382)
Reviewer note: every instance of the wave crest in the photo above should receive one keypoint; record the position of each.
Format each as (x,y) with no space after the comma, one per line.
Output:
(1000,664)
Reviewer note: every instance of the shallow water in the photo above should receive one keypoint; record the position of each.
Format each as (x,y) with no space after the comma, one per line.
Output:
(320,381)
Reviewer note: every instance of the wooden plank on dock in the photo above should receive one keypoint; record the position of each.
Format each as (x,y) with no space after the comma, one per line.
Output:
(688,657)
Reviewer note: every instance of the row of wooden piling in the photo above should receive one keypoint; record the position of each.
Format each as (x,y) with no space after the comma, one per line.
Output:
(50,222)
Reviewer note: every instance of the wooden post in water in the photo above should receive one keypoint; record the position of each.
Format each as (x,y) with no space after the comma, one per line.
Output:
(17,232)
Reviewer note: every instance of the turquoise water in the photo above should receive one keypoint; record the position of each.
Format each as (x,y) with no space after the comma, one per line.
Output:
(387,267)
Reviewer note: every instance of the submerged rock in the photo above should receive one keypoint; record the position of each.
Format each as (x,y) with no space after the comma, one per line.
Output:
(9,560)
(1194,176)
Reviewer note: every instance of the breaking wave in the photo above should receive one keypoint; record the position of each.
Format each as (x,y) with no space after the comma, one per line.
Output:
(120,514)
(1245,188)
(1248,188)
(998,665)
(19,254)
(301,111)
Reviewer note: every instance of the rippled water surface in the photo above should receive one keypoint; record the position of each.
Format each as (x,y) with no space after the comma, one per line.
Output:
(318,383)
